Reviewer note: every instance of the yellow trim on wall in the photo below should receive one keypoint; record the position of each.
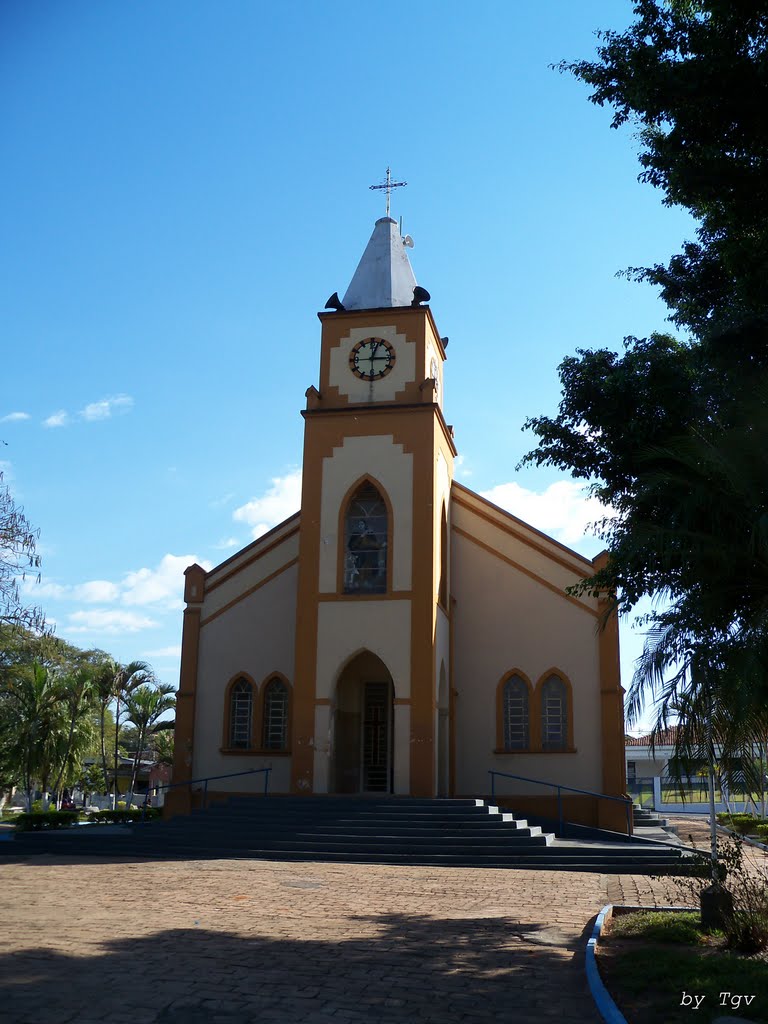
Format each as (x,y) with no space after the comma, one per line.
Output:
(521,535)
(248,592)
(526,572)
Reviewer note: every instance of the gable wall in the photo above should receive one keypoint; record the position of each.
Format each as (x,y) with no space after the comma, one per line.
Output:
(510,616)
(248,626)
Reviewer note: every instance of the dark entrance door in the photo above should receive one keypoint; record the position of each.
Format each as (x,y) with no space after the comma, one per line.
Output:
(377,738)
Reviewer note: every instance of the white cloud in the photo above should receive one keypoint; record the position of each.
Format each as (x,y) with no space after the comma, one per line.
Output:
(226,543)
(223,500)
(282,499)
(161,586)
(107,620)
(172,651)
(460,466)
(103,409)
(15,417)
(57,419)
(563,510)
(96,591)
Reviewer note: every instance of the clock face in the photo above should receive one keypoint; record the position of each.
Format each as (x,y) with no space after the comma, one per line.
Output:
(371,359)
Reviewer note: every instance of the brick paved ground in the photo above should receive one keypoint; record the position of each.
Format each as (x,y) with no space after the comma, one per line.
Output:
(235,941)
(225,942)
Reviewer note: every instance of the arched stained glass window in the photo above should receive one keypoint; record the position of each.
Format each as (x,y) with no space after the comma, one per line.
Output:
(240,715)
(275,735)
(365,543)
(516,710)
(554,714)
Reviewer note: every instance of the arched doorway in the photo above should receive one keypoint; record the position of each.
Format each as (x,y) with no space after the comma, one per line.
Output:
(363,719)
(442,735)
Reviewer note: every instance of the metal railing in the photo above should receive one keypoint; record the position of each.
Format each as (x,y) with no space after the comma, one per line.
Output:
(570,789)
(205,781)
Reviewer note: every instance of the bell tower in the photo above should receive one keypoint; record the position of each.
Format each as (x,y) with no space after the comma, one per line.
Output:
(372,621)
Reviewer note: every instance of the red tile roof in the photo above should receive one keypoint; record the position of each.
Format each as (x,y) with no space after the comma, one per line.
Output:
(664,739)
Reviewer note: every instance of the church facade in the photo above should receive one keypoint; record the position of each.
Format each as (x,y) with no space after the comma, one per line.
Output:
(398,634)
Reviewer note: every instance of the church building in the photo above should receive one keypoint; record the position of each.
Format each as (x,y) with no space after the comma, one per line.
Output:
(399,634)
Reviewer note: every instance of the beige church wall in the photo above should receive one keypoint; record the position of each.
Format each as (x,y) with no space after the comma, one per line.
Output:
(255,637)
(348,627)
(401,781)
(504,620)
(385,389)
(443,478)
(230,581)
(381,457)
(442,660)
(430,351)
(323,744)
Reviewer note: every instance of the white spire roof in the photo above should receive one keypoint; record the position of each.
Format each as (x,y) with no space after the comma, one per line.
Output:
(383,276)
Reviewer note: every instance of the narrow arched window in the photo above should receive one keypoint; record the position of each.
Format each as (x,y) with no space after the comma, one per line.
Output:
(554,714)
(365,543)
(275,736)
(443,589)
(240,715)
(515,710)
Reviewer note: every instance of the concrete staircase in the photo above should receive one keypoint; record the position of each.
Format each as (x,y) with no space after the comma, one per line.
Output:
(385,830)
(642,818)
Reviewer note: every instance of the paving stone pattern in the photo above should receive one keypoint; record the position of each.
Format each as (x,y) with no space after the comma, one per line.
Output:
(229,942)
(236,941)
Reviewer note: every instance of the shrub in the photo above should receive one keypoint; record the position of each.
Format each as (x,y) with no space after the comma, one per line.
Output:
(39,820)
(121,816)
(762,831)
(746,925)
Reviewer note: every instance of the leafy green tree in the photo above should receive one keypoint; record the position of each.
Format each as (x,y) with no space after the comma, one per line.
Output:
(33,726)
(18,559)
(671,434)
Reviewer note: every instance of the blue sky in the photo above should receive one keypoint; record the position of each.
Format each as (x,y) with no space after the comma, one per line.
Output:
(186,183)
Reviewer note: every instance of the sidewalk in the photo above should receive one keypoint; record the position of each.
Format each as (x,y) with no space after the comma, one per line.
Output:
(227,942)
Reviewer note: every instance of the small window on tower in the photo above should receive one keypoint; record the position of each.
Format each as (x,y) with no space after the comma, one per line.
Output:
(365,543)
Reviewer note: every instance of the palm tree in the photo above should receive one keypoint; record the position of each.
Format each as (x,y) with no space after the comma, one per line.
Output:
(78,695)
(113,682)
(146,705)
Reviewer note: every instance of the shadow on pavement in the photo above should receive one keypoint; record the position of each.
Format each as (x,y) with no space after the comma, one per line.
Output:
(465,970)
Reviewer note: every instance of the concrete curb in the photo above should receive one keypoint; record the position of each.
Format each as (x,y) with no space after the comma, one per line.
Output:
(744,839)
(606,1007)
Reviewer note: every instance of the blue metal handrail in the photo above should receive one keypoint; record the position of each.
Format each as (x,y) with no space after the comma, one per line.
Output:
(571,789)
(206,780)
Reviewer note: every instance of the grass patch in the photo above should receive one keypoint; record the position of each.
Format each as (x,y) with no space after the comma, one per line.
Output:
(678,927)
(648,959)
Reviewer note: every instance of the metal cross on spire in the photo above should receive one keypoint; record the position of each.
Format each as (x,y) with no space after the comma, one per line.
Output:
(388,185)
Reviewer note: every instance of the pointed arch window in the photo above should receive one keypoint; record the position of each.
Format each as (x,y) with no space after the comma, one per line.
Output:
(275,721)
(442,594)
(365,542)
(516,708)
(240,715)
(554,714)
